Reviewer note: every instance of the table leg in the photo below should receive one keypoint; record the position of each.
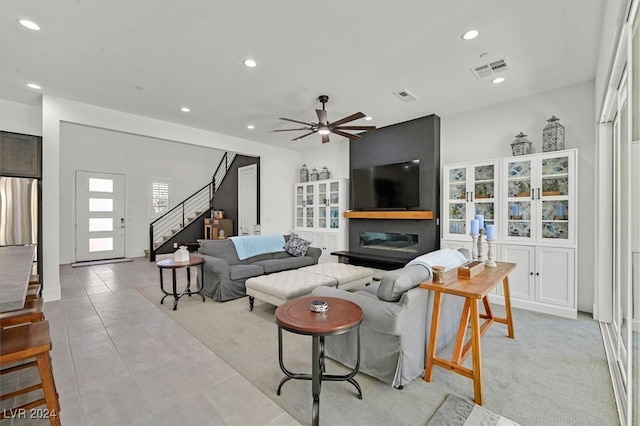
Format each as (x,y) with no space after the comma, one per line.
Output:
(476,352)
(175,291)
(507,304)
(188,289)
(433,335)
(316,380)
(462,333)
(162,288)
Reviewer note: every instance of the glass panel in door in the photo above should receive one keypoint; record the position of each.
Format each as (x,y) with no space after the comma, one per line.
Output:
(554,211)
(457,194)
(519,199)
(323,211)
(484,192)
(100,223)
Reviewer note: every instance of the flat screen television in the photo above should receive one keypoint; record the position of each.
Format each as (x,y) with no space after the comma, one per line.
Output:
(387,187)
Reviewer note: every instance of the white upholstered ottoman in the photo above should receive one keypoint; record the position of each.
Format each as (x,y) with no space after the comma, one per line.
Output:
(279,287)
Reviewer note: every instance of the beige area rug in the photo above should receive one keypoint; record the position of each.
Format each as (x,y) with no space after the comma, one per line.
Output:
(534,379)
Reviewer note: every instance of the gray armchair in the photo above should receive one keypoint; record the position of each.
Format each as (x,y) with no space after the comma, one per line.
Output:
(394,332)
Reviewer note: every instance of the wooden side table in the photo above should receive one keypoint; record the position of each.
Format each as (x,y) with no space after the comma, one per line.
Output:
(296,316)
(173,265)
(473,290)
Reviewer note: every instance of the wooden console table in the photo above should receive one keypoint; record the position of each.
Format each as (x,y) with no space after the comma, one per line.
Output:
(473,290)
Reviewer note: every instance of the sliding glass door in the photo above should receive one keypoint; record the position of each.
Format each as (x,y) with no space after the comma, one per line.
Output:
(620,311)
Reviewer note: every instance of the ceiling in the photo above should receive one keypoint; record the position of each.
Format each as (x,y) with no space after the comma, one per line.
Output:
(150,58)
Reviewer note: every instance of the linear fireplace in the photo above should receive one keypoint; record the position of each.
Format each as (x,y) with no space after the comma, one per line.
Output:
(407,243)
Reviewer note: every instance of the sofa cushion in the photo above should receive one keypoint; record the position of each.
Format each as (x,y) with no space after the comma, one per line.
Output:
(277,265)
(296,246)
(240,272)
(393,284)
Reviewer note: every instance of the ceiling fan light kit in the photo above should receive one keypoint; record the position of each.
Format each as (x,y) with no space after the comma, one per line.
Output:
(323,127)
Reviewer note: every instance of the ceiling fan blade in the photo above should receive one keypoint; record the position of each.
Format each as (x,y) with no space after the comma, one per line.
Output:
(345,134)
(347,119)
(322,116)
(325,138)
(296,121)
(356,127)
(290,130)
(303,136)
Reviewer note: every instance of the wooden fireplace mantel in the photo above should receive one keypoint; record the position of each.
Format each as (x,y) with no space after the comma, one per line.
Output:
(377,214)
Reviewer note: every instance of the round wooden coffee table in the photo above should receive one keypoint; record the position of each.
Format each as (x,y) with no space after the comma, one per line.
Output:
(296,316)
(173,265)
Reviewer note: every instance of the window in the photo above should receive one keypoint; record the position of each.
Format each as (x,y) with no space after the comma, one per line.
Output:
(159,197)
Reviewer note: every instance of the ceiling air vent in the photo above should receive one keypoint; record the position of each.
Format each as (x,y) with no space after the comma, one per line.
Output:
(491,68)
(405,95)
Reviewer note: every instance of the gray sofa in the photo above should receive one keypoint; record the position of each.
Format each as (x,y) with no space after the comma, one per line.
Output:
(396,325)
(225,274)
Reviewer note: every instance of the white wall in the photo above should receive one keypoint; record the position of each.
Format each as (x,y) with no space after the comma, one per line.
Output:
(277,165)
(20,118)
(487,133)
(139,159)
(334,155)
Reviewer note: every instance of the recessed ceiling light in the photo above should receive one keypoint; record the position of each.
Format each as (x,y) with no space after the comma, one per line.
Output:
(368,118)
(250,127)
(29,24)
(470,35)
(250,63)
(34,86)
(185,109)
(497,80)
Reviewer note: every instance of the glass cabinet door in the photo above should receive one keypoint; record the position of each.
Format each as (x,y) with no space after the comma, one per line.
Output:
(310,203)
(457,201)
(323,208)
(334,205)
(484,192)
(554,206)
(519,196)
(300,210)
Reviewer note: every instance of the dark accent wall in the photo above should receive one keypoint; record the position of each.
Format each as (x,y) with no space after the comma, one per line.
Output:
(227,196)
(410,140)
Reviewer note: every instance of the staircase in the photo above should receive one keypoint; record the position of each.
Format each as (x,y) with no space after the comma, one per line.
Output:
(188,211)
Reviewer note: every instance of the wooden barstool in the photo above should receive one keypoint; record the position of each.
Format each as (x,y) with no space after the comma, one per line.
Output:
(24,342)
(32,312)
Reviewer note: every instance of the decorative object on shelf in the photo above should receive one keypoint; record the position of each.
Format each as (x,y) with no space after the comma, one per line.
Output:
(218,214)
(553,135)
(314,175)
(319,306)
(491,241)
(474,226)
(521,145)
(325,174)
(304,173)
(470,269)
(181,255)
(438,274)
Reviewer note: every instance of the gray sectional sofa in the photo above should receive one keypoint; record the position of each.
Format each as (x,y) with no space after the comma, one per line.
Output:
(396,323)
(225,274)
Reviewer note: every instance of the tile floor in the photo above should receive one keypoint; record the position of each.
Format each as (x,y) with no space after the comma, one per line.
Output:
(119,360)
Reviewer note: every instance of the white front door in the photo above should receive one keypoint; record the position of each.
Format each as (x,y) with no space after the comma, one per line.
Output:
(100,223)
(248,200)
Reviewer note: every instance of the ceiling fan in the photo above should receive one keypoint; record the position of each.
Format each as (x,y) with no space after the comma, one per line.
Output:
(324,127)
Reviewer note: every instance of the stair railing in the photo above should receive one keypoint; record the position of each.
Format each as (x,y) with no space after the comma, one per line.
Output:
(200,202)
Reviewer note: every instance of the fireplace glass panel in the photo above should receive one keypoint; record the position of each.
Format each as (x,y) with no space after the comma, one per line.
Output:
(389,241)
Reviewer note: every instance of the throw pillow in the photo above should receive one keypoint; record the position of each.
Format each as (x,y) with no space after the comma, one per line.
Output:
(393,284)
(296,246)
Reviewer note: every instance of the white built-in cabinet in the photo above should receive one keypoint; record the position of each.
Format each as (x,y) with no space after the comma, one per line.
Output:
(471,189)
(319,208)
(533,205)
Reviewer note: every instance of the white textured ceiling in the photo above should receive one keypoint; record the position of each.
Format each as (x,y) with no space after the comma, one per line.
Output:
(356,52)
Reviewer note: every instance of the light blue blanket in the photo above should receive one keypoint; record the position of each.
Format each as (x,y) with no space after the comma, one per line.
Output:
(447,258)
(252,245)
